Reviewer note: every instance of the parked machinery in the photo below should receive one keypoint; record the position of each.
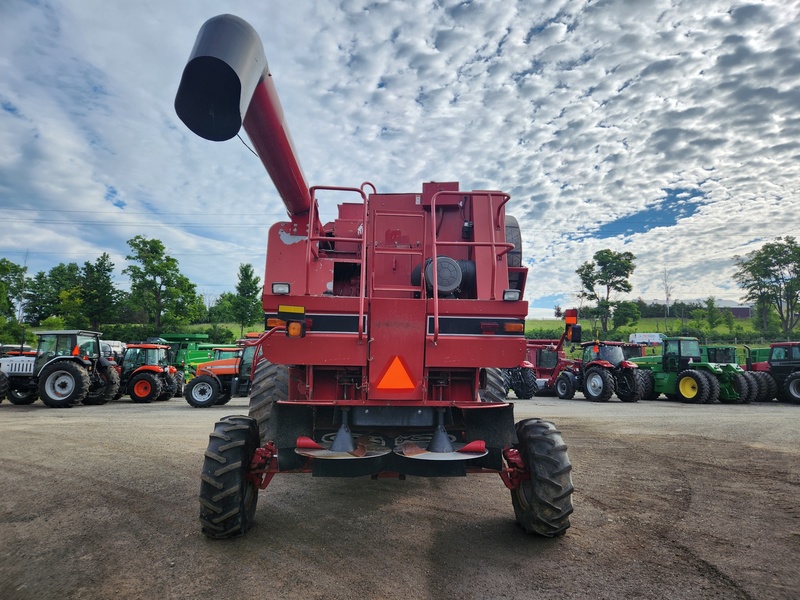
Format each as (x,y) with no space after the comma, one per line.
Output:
(217,381)
(146,374)
(602,371)
(386,328)
(66,368)
(779,370)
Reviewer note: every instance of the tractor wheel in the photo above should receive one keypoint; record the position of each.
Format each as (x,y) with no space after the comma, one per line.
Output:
(507,376)
(3,386)
(202,391)
(224,399)
(495,386)
(168,388)
(742,388)
(144,387)
(63,383)
(757,391)
(791,388)
(526,384)
(109,389)
(629,386)
(23,397)
(270,384)
(713,387)
(648,383)
(771,384)
(565,387)
(692,387)
(598,385)
(180,383)
(228,498)
(543,503)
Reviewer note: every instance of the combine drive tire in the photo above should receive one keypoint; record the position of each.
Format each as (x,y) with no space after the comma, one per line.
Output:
(526,384)
(565,387)
(543,503)
(228,498)
(202,391)
(598,385)
(692,387)
(713,387)
(109,389)
(648,383)
(742,388)
(22,397)
(63,383)
(270,384)
(791,388)
(144,387)
(629,386)
(495,390)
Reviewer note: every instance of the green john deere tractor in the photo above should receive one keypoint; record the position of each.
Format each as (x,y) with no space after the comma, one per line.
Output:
(681,373)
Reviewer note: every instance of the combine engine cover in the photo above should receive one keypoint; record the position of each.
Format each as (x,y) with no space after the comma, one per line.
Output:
(386,329)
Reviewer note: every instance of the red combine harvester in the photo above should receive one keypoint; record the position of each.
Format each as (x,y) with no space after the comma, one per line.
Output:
(387,329)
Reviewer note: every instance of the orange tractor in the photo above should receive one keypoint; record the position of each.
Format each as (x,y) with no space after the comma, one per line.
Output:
(147,375)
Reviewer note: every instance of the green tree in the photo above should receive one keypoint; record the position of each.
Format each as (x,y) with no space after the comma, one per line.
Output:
(246,305)
(98,294)
(222,310)
(713,315)
(12,283)
(608,272)
(43,293)
(625,313)
(772,274)
(157,283)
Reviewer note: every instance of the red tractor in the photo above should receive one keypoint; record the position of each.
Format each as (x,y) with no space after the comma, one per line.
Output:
(602,371)
(386,329)
(146,374)
(545,359)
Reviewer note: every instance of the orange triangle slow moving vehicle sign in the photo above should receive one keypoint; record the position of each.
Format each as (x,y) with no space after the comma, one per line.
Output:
(396,377)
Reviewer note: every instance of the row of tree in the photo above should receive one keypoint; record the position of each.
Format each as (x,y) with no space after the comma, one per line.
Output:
(161,298)
(770,277)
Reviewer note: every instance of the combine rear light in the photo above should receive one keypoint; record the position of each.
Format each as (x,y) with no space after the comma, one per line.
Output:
(510,295)
(280,289)
(514,327)
(296,329)
(275,323)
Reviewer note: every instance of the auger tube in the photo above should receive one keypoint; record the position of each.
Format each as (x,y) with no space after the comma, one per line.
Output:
(226,84)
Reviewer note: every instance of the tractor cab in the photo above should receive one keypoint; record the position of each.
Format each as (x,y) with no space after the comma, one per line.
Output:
(144,355)
(680,353)
(603,351)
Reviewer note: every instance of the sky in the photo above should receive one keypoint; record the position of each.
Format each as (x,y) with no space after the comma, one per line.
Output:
(669,129)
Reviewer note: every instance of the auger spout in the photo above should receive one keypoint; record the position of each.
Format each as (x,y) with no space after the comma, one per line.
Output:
(226,84)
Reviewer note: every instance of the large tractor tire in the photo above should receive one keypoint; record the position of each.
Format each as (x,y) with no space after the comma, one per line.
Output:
(228,498)
(598,384)
(63,383)
(202,391)
(791,388)
(168,388)
(771,385)
(180,383)
(3,386)
(270,384)
(108,391)
(23,397)
(757,388)
(742,388)
(525,384)
(144,387)
(495,390)
(565,387)
(543,503)
(713,387)
(629,386)
(648,382)
(692,387)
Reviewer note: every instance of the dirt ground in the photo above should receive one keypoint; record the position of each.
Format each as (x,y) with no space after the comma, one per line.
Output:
(672,501)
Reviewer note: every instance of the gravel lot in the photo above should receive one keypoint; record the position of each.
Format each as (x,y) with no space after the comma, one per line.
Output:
(672,501)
